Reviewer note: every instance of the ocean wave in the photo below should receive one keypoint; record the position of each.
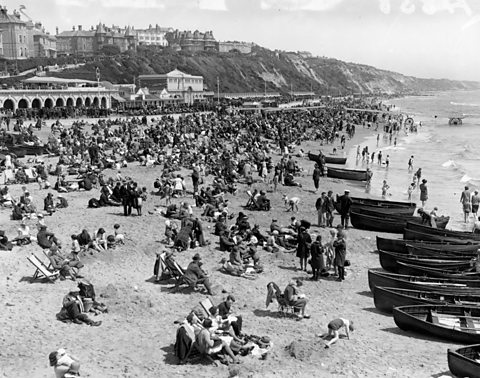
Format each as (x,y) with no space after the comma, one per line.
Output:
(463,104)
(449,163)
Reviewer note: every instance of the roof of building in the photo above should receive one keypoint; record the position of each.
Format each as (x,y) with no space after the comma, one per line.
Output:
(55,80)
(173,73)
(76,33)
(6,18)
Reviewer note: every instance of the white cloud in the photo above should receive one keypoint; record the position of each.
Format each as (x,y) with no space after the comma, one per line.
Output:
(295,5)
(217,5)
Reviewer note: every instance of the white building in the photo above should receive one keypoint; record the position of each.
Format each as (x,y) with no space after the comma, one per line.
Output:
(152,36)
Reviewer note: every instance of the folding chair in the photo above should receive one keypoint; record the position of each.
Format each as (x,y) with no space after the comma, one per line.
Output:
(42,269)
(206,305)
(273,291)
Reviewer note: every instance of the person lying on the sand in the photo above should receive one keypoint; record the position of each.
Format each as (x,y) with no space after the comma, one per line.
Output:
(275,226)
(72,307)
(334,330)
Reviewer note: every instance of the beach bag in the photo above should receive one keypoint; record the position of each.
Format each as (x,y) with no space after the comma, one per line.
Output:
(346,263)
(93,203)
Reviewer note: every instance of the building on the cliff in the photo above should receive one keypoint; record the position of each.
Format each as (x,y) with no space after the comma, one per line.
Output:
(44,44)
(193,42)
(153,35)
(89,42)
(179,85)
(15,36)
(234,46)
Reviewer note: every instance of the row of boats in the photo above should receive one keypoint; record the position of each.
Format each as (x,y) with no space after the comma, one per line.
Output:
(430,282)
(336,172)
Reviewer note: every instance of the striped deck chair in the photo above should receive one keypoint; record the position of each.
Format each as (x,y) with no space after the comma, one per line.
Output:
(42,269)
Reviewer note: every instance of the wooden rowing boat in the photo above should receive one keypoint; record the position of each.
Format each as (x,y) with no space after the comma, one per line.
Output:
(444,233)
(328,159)
(455,323)
(365,220)
(409,234)
(389,261)
(401,246)
(386,298)
(422,251)
(347,174)
(382,203)
(452,273)
(465,362)
(443,285)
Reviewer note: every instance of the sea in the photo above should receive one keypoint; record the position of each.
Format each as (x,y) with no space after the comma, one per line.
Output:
(449,155)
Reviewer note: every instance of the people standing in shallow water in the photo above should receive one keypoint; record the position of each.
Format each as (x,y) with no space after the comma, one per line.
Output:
(423,192)
(465,200)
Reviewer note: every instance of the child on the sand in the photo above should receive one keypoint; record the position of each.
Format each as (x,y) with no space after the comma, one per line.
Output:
(330,251)
(334,330)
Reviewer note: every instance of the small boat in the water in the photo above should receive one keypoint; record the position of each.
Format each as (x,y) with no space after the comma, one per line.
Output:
(386,298)
(459,324)
(465,362)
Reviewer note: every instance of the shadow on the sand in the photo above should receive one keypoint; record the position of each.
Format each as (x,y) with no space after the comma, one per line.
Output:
(194,358)
(292,268)
(443,374)
(273,314)
(374,310)
(30,280)
(416,335)
(161,281)
(170,358)
(366,293)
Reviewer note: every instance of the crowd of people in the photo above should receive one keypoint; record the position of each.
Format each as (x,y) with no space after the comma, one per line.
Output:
(222,150)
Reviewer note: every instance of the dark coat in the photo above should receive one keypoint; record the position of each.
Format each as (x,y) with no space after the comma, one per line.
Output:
(317,260)
(304,242)
(340,246)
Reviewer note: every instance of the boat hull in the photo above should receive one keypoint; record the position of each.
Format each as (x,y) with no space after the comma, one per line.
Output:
(462,362)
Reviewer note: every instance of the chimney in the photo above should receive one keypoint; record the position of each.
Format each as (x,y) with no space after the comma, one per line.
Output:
(79,27)
(56,30)
(73,28)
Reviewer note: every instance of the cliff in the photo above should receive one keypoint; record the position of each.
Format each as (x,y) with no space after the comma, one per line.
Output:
(279,71)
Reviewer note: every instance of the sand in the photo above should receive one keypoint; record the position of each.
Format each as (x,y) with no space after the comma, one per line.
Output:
(137,335)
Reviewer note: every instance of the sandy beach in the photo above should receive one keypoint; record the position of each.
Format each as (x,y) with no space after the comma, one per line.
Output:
(137,336)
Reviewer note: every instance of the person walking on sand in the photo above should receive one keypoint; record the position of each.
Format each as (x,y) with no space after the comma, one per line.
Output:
(423,192)
(340,246)
(316,177)
(465,200)
(379,158)
(334,330)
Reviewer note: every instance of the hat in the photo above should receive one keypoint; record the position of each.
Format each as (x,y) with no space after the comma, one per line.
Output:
(231,297)
(61,352)
(197,256)
(60,196)
(347,191)
(424,180)
(43,227)
(275,232)
(40,215)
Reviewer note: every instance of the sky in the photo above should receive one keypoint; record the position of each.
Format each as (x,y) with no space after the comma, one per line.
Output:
(422,38)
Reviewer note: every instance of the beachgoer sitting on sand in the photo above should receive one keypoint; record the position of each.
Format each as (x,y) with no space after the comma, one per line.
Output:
(334,330)
(49,206)
(5,245)
(119,237)
(64,363)
(62,202)
(46,239)
(23,236)
(86,242)
(289,180)
(73,310)
(296,300)
(211,344)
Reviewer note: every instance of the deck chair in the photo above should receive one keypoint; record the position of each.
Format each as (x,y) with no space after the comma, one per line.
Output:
(206,305)
(42,269)
(171,267)
(31,174)
(273,291)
